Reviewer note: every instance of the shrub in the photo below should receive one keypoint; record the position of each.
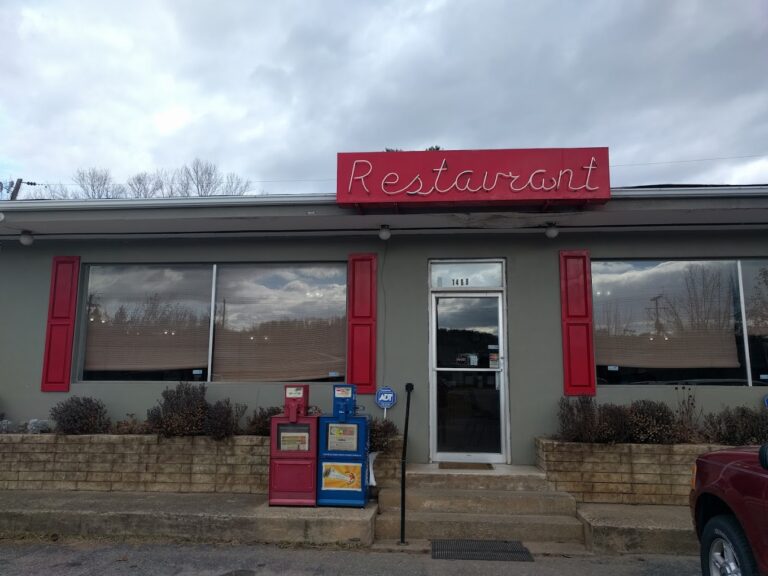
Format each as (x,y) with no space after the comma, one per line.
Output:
(577,419)
(382,434)
(131,425)
(81,415)
(652,422)
(223,419)
(259,423)
(612,424)
(737,426)
(688,417)
(181,412)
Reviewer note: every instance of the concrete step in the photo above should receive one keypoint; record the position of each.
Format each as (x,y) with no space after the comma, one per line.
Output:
(212,518)
(433,525)
(502,477)
(638,529)
(480,501)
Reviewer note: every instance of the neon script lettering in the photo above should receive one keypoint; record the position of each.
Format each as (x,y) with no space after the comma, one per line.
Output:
(472,181)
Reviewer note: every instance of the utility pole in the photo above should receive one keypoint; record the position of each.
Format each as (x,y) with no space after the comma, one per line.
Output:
(15,190)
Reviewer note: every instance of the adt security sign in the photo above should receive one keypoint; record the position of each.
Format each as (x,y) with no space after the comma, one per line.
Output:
(386,397)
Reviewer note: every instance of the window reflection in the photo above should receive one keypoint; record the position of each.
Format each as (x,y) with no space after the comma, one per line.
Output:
(667,322)
(147,322)
(755,278)
(467,332)
(280,322)
(468,413)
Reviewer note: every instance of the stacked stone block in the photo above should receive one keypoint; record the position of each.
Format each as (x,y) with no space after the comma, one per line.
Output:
(620,473)
(134,463)
(387,466)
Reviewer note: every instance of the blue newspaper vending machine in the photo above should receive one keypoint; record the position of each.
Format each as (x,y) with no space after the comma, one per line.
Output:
(342,475)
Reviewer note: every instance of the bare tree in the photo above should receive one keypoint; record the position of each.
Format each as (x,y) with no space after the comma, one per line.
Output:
(428,149)
(613,318)
(177,184)
(96,183)
(234,185)
(758,304)
(705,305)
(199,178)
(145,185)
(204,177)
(49,192)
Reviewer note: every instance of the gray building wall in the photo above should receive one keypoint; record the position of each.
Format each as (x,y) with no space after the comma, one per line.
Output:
(534,353)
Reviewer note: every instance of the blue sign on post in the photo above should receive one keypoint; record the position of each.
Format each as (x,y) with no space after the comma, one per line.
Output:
(386,397)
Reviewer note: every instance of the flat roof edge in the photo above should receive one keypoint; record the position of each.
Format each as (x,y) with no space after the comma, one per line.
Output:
(141,203)
(725,191)
(660,192)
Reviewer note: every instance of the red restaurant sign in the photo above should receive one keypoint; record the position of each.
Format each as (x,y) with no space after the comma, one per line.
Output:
(531,176)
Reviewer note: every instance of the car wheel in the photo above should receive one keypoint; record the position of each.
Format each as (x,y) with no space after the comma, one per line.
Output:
(725,550)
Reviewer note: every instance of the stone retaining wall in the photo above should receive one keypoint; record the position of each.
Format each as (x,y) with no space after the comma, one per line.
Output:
(143,463)
(387,466)
(620,473)
(133,463)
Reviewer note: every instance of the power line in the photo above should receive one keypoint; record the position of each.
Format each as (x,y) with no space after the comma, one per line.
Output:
(295,180)
(686,161)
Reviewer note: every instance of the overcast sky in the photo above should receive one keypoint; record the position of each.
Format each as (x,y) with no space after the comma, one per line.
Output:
(273,90)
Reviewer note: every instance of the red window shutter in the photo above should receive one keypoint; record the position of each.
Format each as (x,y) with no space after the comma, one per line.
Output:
(576,306)
(361,322)
(57,362)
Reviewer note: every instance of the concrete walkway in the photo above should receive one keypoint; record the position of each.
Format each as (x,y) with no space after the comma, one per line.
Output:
(246,518)
(210,518)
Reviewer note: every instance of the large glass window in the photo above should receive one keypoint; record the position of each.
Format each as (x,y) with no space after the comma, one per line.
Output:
(755,278)
(280,322)
(147,322)
(668,322)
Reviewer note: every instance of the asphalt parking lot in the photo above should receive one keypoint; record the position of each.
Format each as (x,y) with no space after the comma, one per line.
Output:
(78,558)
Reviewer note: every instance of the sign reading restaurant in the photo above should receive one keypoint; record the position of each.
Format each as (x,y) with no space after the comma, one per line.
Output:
(529,176)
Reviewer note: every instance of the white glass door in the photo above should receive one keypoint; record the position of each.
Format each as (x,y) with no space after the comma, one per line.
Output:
(468,380)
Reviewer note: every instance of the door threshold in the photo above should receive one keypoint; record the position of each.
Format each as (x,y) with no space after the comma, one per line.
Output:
(465,466)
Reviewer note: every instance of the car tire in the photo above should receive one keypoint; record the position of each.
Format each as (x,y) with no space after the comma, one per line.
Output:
(723,541)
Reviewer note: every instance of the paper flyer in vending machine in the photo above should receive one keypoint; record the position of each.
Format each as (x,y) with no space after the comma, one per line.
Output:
(342,476)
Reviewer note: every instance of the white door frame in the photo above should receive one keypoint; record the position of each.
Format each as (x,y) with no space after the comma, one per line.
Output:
(436,456)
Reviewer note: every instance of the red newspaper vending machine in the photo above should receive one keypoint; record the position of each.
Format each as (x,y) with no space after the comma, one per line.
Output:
(293,452)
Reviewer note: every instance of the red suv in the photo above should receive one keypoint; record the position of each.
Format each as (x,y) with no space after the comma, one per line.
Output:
(730,510)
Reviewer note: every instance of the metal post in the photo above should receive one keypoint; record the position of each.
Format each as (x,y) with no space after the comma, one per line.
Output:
(408,390)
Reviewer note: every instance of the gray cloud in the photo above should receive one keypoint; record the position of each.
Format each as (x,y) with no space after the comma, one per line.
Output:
(274,90)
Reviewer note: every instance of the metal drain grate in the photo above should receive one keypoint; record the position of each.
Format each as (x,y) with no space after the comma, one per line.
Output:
(501,550)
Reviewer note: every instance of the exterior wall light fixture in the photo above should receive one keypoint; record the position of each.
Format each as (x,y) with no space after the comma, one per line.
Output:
(26,238)
(551,231)
(384,232)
